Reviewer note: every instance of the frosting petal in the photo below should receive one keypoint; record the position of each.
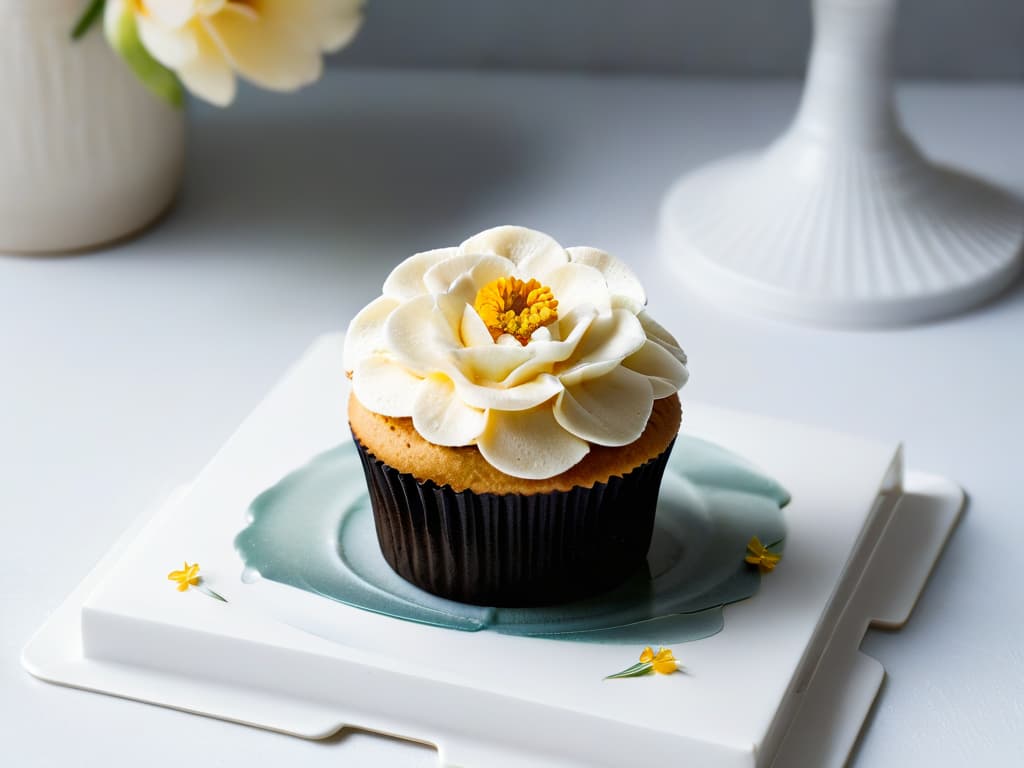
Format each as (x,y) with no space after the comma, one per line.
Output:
(533,253)
(529,444)
(609,340)
(490,365)
(465,287)
(365,335)
(544,354)
(519,398)
(610,410)
(620,278)
(473,330)
(624,302)
(423,331)
(385,387)
(542,334)
(576,321)
(666,373)
(406,280)
(475,270)
(577,285)
(656,332)
(441,417)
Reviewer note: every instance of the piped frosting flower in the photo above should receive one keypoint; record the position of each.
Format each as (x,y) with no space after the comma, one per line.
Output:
(530,351)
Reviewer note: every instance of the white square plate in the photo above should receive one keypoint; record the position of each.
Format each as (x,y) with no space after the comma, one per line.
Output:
(784,683)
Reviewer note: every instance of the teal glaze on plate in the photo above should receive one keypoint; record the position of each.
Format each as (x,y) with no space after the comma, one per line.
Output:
(314,530)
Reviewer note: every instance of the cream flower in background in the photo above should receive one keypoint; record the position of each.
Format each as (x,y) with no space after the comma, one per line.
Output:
(510,342)
(276,44)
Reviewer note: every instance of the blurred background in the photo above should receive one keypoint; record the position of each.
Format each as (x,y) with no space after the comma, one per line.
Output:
(124,369)
(947,39)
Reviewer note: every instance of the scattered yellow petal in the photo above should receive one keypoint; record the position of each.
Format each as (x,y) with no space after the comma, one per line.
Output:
(664,662)
(508,305)
(758,554)
(187,577)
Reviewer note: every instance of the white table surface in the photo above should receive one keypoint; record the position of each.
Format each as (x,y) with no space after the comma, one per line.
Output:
(122,371)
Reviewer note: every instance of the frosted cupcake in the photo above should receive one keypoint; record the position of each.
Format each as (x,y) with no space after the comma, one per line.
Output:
(514,406)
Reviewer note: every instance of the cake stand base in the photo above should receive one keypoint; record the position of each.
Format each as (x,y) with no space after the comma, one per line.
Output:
(811,232)
(842,221)
(784,683)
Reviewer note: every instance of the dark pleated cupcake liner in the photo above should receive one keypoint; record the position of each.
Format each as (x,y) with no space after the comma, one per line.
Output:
(514,549)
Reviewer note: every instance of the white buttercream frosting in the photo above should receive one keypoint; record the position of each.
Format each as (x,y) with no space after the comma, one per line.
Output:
(532,405)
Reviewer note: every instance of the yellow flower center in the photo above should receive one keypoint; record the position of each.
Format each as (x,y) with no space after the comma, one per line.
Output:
(508,305)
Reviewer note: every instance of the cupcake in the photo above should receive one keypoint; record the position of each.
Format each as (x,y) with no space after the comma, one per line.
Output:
(514,406)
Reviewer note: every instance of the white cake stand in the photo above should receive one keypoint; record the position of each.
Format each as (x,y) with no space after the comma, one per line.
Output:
(842,220)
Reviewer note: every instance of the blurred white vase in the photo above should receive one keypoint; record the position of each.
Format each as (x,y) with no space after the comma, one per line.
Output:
(842,220)
(87,154)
